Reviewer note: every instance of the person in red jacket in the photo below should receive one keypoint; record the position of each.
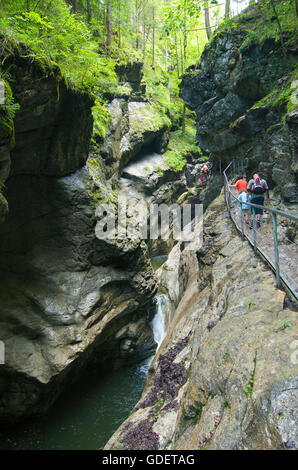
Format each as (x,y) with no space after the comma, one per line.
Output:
(241,184)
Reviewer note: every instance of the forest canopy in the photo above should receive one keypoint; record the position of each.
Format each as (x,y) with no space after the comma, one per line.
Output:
(85,39)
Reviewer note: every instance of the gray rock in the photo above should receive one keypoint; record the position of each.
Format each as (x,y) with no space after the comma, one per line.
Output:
(235,383)
(224,90)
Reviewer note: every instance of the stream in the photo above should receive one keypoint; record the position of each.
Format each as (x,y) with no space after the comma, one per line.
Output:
(85,416)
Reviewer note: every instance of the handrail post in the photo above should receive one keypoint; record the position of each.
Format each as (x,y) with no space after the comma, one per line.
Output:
(254,224)
(241,215)
(276,252)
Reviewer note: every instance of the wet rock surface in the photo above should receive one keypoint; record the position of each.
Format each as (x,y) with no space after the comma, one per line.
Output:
(67,298)
(237,384)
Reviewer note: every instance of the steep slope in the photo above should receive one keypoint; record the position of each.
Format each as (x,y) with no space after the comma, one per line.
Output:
(226,375)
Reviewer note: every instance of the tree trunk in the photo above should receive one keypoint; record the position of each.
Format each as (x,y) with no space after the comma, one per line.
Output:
(183,120)
(137,24)
(227,9)
(109,24)
(198,44)
(153,39)
(166,56)
(177,56)
(280,29)
(181,55)
(207,19)
(75,5)
(89,11)
(144,42)
(119,23)
(184,38)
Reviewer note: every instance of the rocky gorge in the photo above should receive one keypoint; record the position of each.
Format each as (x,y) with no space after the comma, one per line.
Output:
(68,298)
(225,376)
(58,282)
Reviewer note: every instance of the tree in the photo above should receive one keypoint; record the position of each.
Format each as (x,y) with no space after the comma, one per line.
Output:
(89,11)
(153,38)
(227,9)
(75,5)
(119,22)
(109,23)
(207,19)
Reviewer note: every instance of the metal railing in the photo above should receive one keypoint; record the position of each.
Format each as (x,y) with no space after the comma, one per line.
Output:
(274,265)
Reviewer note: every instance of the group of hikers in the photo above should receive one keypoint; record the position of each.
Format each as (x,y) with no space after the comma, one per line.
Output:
(255,191)
(205,171)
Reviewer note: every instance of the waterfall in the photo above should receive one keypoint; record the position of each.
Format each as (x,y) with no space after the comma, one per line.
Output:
(158,327)
(158,322)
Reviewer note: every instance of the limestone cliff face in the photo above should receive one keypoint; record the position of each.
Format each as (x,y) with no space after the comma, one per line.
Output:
(225,376)
(67,299)
(225,90)
(132,126)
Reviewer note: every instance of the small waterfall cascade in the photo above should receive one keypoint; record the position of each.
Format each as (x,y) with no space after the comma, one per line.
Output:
(159,320)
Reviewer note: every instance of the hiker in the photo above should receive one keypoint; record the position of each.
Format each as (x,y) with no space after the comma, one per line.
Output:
(205,171)
(210,168)
(241,184)
(244,197)
(258,187)
(201,175)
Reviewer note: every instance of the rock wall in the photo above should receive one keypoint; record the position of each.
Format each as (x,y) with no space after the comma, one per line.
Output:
(132,126)
(225,376)
(67,298)
(225,90)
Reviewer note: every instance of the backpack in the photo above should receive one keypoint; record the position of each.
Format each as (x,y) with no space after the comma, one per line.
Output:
(258,188)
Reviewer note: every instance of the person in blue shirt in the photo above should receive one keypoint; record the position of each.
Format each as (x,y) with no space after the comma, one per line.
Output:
(244,197)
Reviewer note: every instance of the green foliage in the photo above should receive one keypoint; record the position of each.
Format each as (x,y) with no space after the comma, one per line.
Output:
(159,402)
(159,170)
(162,92)
(227,356)
(9,107)
(151,118)
(250,305)
(175,160)
(56,37)
(182,145)
(283,324)
(285,97)
(265,24)
(249,389)
(101,119)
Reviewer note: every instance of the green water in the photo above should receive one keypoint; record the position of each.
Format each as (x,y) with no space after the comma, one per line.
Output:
(87,414)
(158,261)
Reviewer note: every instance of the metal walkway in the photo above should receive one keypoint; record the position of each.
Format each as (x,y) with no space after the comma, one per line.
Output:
(281,257)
